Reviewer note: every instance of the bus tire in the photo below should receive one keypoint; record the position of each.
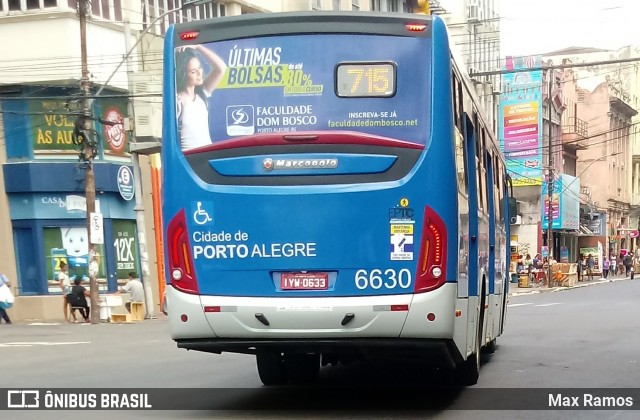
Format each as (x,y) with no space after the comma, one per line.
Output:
(302,368)
(490,348)
(469,370)
(271,368)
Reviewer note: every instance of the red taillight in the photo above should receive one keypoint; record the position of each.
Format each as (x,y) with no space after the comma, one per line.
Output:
(186,36)
(181,270)
(411,27)
(432,263)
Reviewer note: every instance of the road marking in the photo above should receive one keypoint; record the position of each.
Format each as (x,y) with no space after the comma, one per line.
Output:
(38,324)
(41,343)
(513,305)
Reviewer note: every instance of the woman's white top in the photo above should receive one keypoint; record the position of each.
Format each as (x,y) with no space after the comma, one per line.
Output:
(194,123)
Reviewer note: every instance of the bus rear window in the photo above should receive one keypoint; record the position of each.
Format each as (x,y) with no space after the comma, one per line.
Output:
(315,82)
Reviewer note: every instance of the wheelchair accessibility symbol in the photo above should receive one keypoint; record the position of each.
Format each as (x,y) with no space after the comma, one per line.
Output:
(200,216)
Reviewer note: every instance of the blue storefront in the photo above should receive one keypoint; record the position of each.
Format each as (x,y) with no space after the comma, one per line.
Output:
(45,186)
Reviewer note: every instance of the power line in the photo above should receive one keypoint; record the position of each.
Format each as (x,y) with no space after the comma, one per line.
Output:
(555,67)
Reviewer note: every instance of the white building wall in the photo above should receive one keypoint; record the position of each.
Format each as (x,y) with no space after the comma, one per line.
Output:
(529,210)
(50,51)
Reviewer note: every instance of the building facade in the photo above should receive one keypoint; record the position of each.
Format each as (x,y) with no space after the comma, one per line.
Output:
(607,101)
(592,138)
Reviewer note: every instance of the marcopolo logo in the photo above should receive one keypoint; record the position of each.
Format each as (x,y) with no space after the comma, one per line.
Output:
(270,164)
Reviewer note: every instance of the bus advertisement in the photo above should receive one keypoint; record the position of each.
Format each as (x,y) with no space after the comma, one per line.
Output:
(330,191)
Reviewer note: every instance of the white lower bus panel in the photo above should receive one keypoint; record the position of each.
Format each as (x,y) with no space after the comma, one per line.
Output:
(369,325)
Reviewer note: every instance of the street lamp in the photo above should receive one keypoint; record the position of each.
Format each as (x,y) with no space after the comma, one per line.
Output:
(87,145)
(550,212)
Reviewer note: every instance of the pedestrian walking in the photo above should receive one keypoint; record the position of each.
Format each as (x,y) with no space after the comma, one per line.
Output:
(591,263)
(614,265)
(605,267)
(579,263)
(6,299)
(628,260)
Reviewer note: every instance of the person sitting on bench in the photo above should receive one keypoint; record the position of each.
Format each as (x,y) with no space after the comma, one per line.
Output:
(77,299)
(135,288)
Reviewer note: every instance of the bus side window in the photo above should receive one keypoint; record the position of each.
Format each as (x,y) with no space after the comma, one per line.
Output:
(496,187)
(501,187)
(461,161)
(480,165)
(458,104)
(485,164)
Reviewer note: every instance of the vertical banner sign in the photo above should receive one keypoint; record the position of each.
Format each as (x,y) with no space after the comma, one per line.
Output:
(126,247)
(97,235)
(520,120)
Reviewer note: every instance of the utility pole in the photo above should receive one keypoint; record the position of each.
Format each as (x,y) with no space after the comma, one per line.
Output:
(550,186)
(88,150)
(137,179)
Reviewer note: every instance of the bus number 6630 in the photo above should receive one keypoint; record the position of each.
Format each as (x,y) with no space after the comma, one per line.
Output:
(377,279)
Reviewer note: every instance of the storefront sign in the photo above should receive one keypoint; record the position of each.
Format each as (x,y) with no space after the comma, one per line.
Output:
(565,203)
(52,127)
(113,129)
(125,246)
(125,183)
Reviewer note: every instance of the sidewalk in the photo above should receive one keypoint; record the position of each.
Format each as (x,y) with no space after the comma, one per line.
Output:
(514,290)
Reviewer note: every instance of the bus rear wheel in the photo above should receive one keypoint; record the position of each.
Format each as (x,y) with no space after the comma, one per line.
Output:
(302,368)
(490,348)
(271,368)
(469,371)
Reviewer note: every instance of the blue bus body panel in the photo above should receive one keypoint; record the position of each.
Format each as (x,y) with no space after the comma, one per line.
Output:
(243,237)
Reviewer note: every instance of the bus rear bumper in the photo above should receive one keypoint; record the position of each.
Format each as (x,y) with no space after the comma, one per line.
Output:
(432,352)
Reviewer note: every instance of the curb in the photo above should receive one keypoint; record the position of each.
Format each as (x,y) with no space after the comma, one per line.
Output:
(562,289)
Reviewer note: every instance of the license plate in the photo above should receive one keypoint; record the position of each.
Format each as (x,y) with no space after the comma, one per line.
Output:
(304,281)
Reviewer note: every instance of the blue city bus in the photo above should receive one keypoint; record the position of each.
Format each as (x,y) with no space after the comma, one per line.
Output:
(348,200)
